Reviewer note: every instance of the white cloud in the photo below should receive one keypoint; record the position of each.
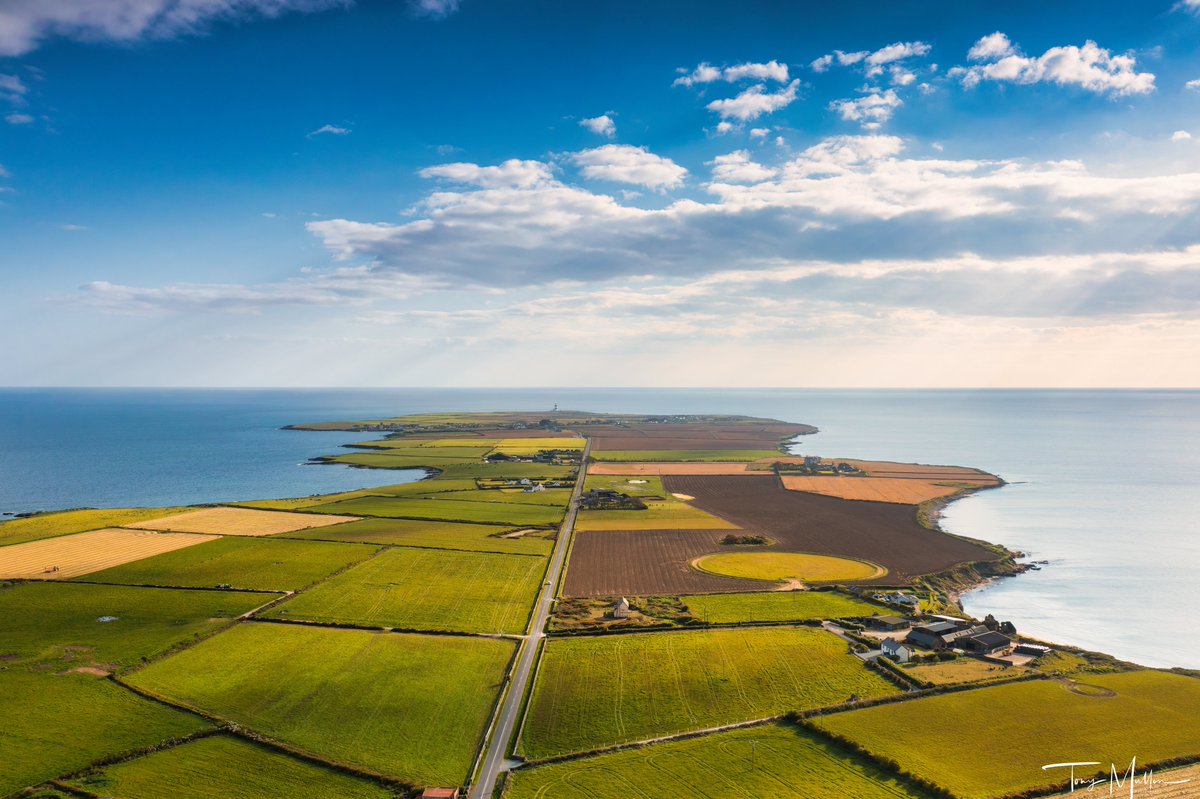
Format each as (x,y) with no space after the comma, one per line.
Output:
(513,173)
(1193,85)
(724,126)
(759,133)
(1180,135)
(19,119)
(72,228)
(707,73)
(899,51)
(991,47)
(873,62)
(871,110)
(754,102)
(333,130)
(435,8)
(602,125)
(822,64)
(623,163)
(1089,67)
(902,76)
(736,167)
(24,24)
(12,85)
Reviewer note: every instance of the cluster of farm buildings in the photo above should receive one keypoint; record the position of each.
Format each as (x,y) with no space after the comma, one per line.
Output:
(989,639)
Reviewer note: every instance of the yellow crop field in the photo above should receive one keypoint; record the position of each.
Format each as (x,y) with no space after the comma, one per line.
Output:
(241,521)
(83,553)
(787,565)
(872,489)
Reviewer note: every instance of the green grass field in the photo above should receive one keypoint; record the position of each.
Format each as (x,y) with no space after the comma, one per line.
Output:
(256,563)
(994,741)
(775,565)
(778,606)
(557,497)
(644,485)
(593,692)
(778,761)
(426,589)
(436,535)
(509,470)
(56,624)
(684,455)
(667,514)
(56,725)
(49,525)
(410,706)
(220,767)
(445,510)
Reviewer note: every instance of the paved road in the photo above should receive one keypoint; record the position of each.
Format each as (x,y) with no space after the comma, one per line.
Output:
(510,711)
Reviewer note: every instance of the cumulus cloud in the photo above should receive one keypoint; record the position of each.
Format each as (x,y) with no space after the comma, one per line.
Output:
(1193,85)
(754,102)
(1180,135)
(871,110)
(333,130)
(707,73)
(623,163)
(991,47)
(512,174)
(24,24)
(1089,67)
(737,167)
(602,125)
(874,62)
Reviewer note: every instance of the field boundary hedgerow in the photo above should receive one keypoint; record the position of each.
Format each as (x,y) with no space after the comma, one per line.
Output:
(372,628)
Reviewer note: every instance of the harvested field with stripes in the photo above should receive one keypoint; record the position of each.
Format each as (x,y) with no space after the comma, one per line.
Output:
(919,471)
(878,532)
(83,553)
(872,489)
(601,690)
(693,435)
(240,521)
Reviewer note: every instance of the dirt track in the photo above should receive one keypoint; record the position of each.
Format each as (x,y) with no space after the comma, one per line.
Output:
(879,532)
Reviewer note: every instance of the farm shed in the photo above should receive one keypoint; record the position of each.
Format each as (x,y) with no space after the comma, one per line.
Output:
(933,636)
(621,611)
(440,793)
(1037,650)
(985,643)
(887,623)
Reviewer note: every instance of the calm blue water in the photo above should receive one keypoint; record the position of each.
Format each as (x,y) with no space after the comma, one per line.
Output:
(1104,485)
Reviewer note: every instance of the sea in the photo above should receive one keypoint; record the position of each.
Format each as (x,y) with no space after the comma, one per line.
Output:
(1102,486)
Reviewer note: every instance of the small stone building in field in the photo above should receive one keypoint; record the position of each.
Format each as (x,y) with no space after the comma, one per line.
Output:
(621,611)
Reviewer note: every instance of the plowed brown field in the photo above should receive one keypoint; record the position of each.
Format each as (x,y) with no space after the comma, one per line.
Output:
(750,436)
(648,562)
(84,553)
(241,521)
(879,532)
(873,489)
(667,468)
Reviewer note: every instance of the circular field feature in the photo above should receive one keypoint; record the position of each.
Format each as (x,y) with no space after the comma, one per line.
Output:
(787,566)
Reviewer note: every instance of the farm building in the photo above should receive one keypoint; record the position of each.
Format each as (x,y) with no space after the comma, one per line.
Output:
(897,598)
(937,635)
(621,611)
(988,643)
(1036,650)
(897,651)
(440,793)
(887,623)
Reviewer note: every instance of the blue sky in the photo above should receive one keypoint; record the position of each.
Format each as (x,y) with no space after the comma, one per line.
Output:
(307,192)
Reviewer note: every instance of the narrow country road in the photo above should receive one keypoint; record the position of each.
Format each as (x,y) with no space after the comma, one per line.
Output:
(510,710)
